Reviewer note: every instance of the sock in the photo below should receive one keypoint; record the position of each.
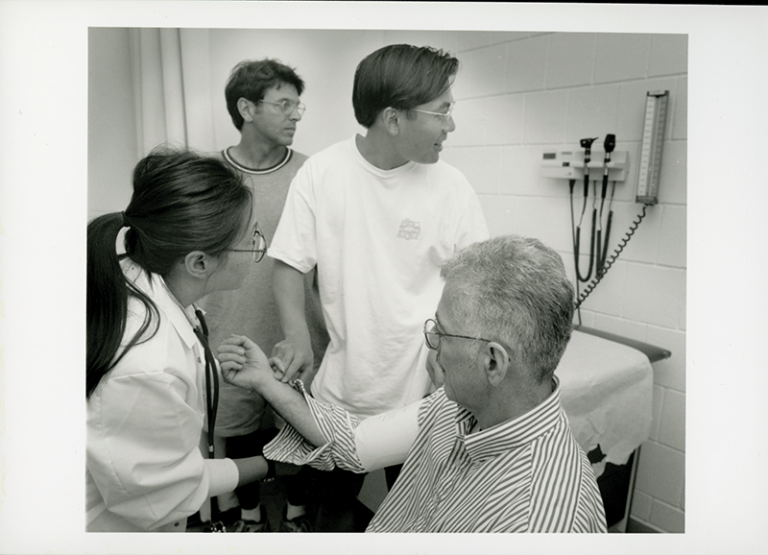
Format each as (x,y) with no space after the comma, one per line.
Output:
(251,514)
(294,511)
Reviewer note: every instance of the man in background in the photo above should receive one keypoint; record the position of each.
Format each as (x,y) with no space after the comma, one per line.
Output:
(263,100)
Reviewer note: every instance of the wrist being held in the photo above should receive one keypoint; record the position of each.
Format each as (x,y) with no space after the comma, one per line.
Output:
(243,363)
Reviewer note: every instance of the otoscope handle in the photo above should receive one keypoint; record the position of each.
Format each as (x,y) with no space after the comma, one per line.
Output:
(610,143)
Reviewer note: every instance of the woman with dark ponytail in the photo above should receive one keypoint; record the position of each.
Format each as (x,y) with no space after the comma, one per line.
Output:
(151,380)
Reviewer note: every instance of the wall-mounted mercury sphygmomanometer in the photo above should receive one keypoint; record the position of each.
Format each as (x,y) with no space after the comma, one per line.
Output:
(607,166)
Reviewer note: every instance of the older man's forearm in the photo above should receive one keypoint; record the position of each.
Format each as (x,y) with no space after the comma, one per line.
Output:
(331,443)
(376,442)
(293,408)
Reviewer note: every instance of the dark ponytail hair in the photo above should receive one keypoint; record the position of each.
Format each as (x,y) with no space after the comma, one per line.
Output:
(181,202)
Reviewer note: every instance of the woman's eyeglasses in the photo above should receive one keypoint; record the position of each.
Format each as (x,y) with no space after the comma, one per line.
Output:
(259,246)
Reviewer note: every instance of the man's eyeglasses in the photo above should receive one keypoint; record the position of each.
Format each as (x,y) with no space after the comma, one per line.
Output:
(442,116)
(288,106)
(433,336)
(258,246)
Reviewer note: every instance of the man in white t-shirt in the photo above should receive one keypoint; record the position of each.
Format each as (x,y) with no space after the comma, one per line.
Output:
(377,215)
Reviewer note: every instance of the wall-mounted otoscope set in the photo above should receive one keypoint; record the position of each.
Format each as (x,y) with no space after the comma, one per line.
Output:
(608,166)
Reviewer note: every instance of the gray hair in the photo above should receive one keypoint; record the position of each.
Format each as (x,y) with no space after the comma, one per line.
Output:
(514,290)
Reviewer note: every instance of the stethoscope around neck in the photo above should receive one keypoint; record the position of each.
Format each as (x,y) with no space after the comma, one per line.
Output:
(211,401)
(211,379)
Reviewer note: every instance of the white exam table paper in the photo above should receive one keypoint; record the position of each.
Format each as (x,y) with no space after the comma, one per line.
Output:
(607,394)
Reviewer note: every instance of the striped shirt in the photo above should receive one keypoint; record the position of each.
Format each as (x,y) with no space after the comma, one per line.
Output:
(524,475)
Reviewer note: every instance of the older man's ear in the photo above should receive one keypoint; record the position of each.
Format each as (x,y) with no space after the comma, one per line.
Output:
(497,362)
(434,370)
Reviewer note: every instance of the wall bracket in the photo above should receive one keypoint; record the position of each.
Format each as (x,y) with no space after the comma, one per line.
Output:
(569,164)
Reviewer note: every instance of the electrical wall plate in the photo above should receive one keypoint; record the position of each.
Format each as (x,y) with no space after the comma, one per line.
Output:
(569,164)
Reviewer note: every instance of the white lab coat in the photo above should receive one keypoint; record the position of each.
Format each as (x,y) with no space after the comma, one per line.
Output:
(145,469)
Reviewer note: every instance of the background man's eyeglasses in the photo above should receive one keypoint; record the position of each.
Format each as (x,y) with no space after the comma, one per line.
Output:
(288,106)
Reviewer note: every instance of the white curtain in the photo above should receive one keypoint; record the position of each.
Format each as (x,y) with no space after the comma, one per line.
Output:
(171,69)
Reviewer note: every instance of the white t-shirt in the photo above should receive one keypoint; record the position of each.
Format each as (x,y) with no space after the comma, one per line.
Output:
(378,239)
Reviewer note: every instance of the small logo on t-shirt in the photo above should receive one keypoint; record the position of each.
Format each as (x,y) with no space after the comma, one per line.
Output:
(409,229)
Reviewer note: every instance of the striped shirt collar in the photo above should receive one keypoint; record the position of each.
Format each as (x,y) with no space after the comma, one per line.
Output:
(512,434)
(245,169)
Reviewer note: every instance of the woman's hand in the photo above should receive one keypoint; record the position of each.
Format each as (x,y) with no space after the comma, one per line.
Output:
(243,363)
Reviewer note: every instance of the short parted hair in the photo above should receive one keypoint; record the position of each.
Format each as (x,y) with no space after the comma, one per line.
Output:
(251,79)
(400,76)
(514,290)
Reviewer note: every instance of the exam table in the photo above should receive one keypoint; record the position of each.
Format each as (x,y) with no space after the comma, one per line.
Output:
(607,394)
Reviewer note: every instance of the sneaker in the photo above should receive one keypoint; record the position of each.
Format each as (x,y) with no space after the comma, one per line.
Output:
(299,524)
(229,517)
(250,526)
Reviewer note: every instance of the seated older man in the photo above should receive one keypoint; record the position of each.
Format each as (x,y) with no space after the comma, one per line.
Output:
(490,450)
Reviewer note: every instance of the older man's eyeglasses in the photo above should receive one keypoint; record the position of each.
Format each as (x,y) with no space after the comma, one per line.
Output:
(432,336)
(258,246)
(288,106)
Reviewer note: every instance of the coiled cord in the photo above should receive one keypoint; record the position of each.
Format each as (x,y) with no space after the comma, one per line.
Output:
(604,270)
